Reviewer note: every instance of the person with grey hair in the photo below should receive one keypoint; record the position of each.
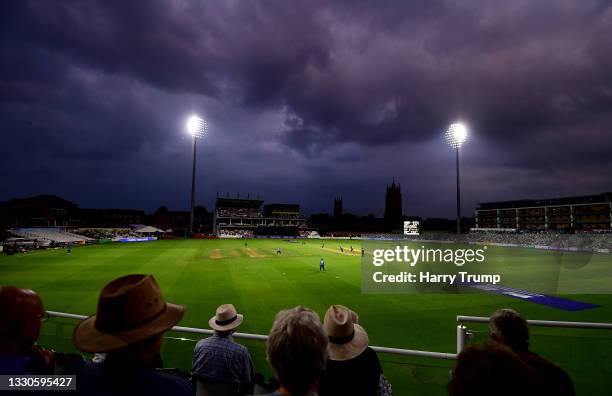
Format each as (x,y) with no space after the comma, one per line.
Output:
(508,327)
(297,351)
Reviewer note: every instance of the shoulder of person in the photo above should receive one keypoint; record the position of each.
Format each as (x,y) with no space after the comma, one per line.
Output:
(372,357)
(369,353)
(203,341)
(539,362)
(241,351)
(174,384)
(547,368)
(14,365)
(270,394)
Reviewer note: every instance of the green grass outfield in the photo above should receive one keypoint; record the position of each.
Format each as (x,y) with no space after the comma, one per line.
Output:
(205,273)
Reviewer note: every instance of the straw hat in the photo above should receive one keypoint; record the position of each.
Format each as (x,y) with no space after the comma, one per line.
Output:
(346,338)
(226,318)
(130,309)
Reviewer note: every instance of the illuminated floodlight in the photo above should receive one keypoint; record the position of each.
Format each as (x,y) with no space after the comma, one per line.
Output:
(456,135)
(197,126)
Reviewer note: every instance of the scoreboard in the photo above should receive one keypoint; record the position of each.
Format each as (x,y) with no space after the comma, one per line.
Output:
(411,228)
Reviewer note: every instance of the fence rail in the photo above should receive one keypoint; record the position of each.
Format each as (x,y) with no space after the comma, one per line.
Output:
(260,337)
(462,333)
(542,323)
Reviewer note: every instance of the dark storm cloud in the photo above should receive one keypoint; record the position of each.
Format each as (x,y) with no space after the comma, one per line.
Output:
(306,100)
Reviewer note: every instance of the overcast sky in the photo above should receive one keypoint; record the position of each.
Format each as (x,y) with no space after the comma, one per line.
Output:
(305,101)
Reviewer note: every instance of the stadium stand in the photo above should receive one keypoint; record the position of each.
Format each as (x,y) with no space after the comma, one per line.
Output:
(601,242)
(223,233)
(107,234)
(582,213)
(243,218)
(309,234)
(54,235)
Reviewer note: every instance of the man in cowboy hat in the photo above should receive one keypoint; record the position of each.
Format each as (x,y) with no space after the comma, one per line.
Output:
(353,367)
(21,316)
(128,326)
(219,358)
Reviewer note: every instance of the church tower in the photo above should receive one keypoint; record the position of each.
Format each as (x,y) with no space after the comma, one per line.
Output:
(393,207)
(338,207)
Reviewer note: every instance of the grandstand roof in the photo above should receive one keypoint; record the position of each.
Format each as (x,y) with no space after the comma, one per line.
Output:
(238,203)
(583,199)
(45,199)
(148,230)
(283,206)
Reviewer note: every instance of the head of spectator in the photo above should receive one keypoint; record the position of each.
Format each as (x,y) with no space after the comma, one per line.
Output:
(21,316)
(491,369)
(130,320)
(353,368)
(506,326)
(219,359)
(297,350)
(128,327)
(347,339)
(226,319)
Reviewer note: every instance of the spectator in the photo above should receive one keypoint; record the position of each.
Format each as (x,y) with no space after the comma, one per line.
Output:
(21,316)
(128,326)
(353,367)
(484,370)
(297,351)
(509,328)
(219,358)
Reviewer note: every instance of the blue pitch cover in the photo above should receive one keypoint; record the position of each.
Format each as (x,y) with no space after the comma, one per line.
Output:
(536,298)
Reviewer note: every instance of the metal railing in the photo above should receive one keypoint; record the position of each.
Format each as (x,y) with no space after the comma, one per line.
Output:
(463,333)
(542,323)
(260,337)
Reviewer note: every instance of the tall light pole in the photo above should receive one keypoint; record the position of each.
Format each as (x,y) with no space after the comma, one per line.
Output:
(198,128)
(456,135)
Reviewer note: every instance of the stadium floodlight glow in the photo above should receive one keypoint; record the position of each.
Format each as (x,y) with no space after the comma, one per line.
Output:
(456,135)
(198,128)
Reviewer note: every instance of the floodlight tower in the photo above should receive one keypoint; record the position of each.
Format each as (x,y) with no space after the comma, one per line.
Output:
(198,128)
(456,135)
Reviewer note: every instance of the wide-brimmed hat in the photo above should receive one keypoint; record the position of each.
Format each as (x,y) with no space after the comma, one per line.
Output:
(226,318)
(130,309)
(346,338)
